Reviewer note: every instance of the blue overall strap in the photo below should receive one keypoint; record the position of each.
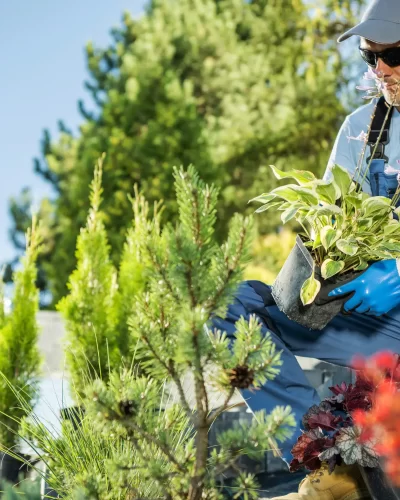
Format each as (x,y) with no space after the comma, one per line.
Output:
(381,111)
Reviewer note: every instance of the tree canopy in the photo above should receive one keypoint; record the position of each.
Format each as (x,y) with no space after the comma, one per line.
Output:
(228,85)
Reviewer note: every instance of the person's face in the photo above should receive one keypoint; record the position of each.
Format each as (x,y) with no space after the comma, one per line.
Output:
(390,77)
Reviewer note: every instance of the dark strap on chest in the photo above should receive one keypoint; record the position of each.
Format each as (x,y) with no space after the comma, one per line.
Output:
(376,126)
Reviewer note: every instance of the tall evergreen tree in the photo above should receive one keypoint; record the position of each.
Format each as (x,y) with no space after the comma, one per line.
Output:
(230,85)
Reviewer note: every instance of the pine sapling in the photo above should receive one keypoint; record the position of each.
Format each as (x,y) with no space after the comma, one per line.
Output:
(187,279)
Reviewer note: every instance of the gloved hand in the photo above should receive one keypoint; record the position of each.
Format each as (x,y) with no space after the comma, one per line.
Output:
(377,290)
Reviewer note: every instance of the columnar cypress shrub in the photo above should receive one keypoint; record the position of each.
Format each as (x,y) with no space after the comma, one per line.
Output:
(19,354)
(91,309)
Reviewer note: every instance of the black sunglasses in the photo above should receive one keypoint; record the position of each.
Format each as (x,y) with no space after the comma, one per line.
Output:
(391,57)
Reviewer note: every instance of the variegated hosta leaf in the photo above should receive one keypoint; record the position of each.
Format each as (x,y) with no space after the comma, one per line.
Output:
(289,213)
(376,205)
(328,210)
(346,246)
(342,178)
(352,451)
(263,198)
(267,206)
(390,246)
(392,227)
(310,290)
(328,236)
(354,200)
(306,195)
(301,176)
(331,267)
(327,190)
(361,266)
(287,192)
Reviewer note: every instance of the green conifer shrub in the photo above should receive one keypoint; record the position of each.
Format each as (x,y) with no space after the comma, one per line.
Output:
(91,309)
(143,435)
(19,353)
(187,278)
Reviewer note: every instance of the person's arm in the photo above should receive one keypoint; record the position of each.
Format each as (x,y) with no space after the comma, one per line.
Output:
(347,151)
(377,290)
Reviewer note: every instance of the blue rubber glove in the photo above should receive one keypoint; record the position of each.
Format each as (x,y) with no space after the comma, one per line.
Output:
(377,290)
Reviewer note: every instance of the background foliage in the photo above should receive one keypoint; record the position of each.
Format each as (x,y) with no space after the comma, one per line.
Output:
(228,85)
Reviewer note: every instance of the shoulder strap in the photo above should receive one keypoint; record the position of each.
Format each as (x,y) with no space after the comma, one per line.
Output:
(376,126)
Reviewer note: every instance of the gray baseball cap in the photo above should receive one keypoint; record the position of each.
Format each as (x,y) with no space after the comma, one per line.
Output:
(380,23)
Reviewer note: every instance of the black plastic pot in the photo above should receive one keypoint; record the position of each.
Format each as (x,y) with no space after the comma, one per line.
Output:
(286,290)
(379,486)
(12,470)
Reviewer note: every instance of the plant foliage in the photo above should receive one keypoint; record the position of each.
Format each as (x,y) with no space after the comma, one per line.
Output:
(19,353)
(229,86)
(344,228)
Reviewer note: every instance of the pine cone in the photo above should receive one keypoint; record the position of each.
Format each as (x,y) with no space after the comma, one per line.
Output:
(127,408)
(241,377)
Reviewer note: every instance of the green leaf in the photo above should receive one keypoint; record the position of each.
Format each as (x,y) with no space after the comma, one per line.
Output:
(354,200)
(289,213)
(331,267)
(375,205)
(301,176)
(287,192)
(263,198)
(389,246)
(306,195)
(361,266)
(392,227)
(266,207)
(342,178)
(328,210)
(349,247)
(365,223)
(328,236)
(310,290)
(317,242)
(327,190)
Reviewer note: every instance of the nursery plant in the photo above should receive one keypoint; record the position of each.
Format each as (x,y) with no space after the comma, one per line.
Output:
(91,308)
(190,278)
(343,230)
(358,424)
(142,433)
(19,354)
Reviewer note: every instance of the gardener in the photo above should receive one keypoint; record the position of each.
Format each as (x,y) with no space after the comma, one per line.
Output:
(374,322)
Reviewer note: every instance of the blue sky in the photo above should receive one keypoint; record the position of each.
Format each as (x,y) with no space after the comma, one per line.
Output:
(42,74)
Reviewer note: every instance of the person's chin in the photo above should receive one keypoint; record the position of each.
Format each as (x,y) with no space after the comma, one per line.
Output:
(391,98)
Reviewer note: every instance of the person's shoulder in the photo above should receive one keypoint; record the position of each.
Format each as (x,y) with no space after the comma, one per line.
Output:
(361,117)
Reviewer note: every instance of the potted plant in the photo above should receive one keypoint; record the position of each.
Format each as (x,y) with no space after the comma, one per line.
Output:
(344,230)
(19,356)
(357,426)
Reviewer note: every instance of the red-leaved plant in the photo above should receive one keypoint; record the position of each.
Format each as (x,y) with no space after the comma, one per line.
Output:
(381,422)
(359,423)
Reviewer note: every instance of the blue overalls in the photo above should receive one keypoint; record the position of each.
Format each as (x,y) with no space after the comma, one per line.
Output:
(337,343)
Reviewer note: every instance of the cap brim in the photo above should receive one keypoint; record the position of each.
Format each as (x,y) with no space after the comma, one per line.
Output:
(374,30)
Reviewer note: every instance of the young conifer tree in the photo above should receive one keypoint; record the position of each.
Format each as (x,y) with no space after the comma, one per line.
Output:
(19,353)
(91,309)
(186,279)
